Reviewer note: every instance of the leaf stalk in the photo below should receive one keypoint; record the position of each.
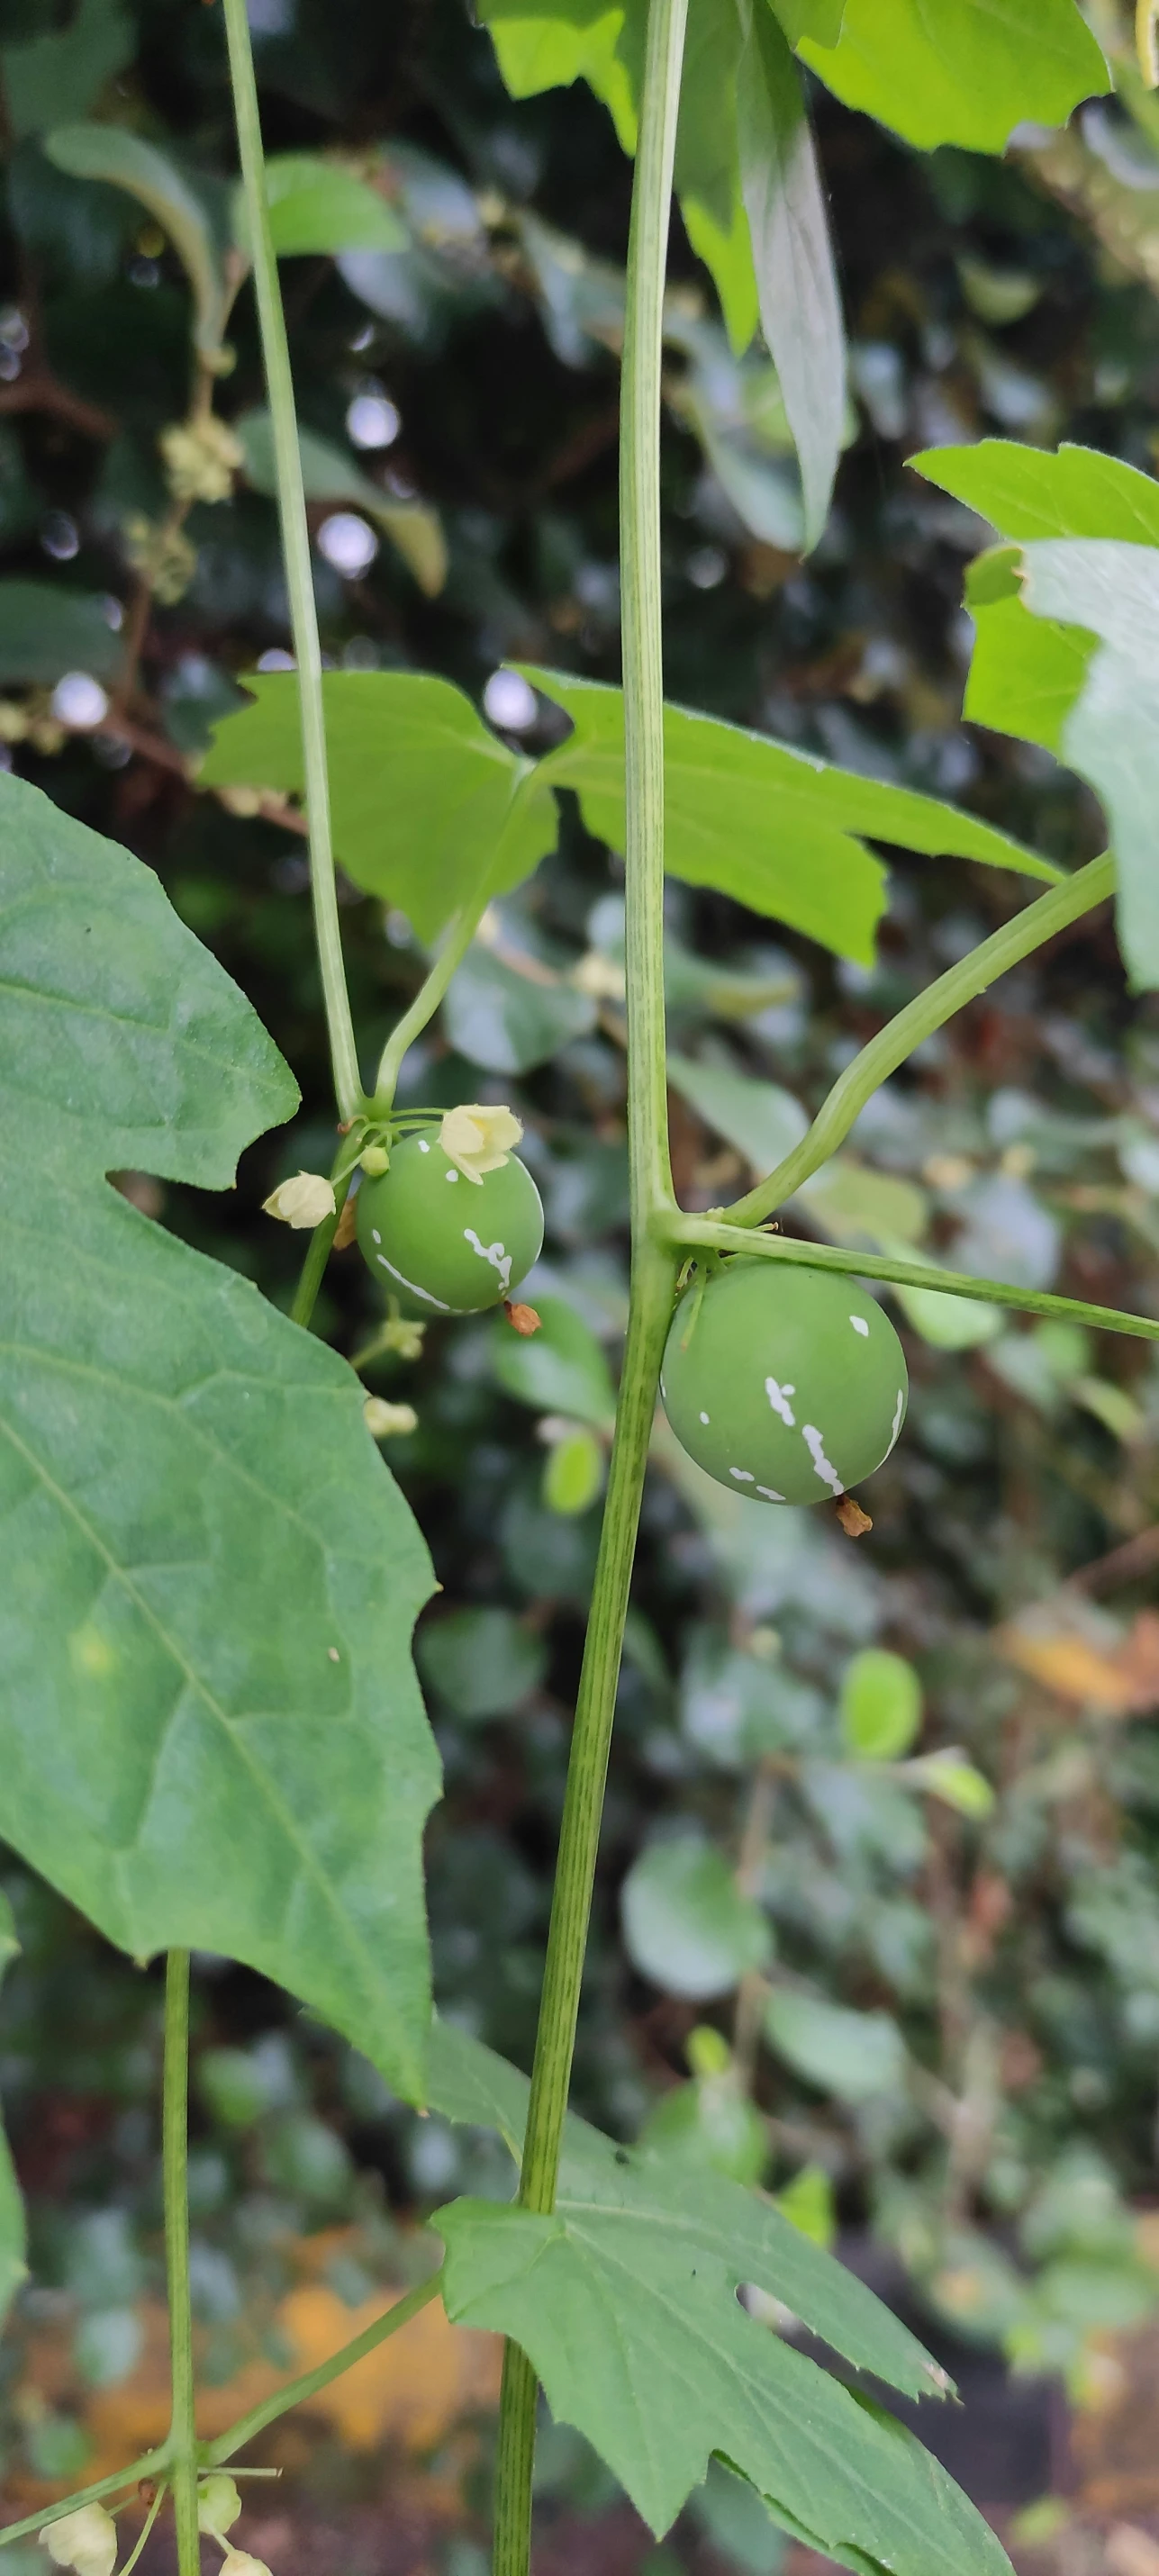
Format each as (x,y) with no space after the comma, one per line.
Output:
(929,1010)
(715,1234)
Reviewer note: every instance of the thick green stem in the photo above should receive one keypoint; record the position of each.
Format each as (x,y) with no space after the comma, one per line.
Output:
(653,1262)
(715,1234)
(296,556)
(174,2157)
(297,2390)
(928,1011)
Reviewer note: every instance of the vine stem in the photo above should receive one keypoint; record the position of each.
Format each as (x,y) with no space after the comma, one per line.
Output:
(296,556)
(460,932)
(296,2391)
(715,1234)
(653,1208)
(182,2445)
(929,1010)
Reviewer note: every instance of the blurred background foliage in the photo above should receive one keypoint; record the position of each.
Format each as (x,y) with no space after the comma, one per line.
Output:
(878,1916)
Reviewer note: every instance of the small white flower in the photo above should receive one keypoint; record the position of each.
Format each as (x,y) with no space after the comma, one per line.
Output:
(478,1139)
(388,1421)
(218,2505)
(404,1337)
(86,2541)
(305,1201)
(237,2562)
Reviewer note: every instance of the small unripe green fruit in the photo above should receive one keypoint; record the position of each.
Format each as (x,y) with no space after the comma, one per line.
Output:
(443,1244)
(785,1384)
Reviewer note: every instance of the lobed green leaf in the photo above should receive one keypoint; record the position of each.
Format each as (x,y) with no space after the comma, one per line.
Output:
(961,73)
(626,2301)
(211,1577)
(470,2084)
(774,828)
(422,794)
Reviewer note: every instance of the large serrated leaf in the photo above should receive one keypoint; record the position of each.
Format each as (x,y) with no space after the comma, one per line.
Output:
(955,71)
(477,2089)
(774,828)
(626,2301)
(422,794)
(210,1577)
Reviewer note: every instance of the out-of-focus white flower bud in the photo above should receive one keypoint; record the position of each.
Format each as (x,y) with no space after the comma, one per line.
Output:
(237,2562)
(388,1421)
(85,2540)
(307,1200)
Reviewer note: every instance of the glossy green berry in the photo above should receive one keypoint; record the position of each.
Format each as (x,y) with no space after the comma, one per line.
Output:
(785,1384)
(445,1244)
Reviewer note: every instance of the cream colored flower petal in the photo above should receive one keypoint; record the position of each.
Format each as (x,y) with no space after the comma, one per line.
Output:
(307,1200)
(218,2504)
(478,1136)
(86,2541)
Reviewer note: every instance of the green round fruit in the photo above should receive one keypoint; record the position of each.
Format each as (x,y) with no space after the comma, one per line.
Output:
(786,1384)
(444,1244)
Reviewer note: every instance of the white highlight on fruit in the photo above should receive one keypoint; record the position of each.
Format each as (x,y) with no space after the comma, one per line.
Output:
(412,1286)
(452,1176)
(424,1148)
(744,1475)
(815,1445)
(859,1325)
(898,1411)
(375,1236)
(779,1399)
(496,1253)
(704,1417)
(770,1494)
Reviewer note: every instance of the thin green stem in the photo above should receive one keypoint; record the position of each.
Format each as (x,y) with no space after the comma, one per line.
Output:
(214,2454)
(174,2160)
(296,555)
(653,1263)
(149,2465)
(317,1256)
(929,1011)
(715,1234)
(146,2528)
(457,939)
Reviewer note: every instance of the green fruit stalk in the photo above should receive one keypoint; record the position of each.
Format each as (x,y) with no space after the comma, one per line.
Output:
(787,1385)
(440,1239)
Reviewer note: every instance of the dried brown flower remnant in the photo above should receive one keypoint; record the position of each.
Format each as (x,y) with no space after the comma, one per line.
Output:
(522,1319)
